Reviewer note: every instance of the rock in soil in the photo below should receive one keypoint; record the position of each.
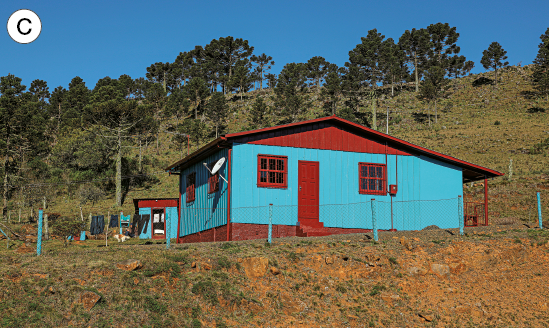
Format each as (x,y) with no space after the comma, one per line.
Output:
(89,299)
(129,265)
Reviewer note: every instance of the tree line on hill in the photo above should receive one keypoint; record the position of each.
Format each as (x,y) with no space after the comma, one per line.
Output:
(83,134)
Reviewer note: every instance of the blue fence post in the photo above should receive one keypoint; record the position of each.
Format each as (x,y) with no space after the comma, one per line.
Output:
(374,220)
(39,236)
(120,222)
(461,219)
(270,223)
(167,222)
(539,212)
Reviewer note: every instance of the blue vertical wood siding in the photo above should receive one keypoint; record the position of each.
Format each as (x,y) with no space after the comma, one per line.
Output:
(145,234)
(424,185)
(207,210)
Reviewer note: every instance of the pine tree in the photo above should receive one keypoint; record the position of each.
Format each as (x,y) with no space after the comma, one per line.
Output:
(494,57)
(333,88)
(258,114)
(198,91)
(117,117)
(366,57)
(22,127)
(434,87)
(415,45)
(290,99)
(392,64)
(242,78)
(316,69)
(541,68)
(217,110)
(263,64)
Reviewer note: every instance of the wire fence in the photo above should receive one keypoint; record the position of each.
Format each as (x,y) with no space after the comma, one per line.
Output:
(276,221)
(348,218)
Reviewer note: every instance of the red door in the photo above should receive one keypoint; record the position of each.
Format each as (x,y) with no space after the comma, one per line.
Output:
(308,190)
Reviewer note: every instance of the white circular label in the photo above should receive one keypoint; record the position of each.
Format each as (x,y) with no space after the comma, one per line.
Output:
(24,26)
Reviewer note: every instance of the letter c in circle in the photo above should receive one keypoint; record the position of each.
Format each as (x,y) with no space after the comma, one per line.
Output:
(19,26)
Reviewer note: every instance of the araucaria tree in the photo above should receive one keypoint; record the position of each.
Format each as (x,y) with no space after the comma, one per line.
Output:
(216,111)
(117,117)
(494,57)
(258,113)
(262,63)
(22,126)
(415,45)
(433,88)
(541,68)
(289,91)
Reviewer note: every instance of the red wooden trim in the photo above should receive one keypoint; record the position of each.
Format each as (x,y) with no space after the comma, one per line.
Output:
(370,131)
(157,203)
(384,179)
(178,215)
(485,201)
(270,184)
(229,195)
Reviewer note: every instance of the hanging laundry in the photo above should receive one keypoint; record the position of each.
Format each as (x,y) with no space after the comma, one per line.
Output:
(93,225)
(113,223)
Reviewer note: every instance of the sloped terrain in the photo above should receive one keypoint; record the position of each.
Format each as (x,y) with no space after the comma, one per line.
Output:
(491,277)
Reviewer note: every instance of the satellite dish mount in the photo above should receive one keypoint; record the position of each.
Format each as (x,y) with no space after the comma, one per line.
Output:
(216,168)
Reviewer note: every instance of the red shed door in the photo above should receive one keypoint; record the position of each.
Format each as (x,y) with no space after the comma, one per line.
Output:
(308,190)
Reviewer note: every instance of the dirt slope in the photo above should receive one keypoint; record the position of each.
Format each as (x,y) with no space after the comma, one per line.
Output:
(491,277)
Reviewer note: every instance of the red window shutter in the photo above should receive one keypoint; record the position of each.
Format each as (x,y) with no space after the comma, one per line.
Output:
(190,190)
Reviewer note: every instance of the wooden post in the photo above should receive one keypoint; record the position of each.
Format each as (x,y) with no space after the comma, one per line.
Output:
(19,214)
(485,201)
(46,228)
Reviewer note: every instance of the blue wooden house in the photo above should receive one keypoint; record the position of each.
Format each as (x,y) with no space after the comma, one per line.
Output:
(320,177)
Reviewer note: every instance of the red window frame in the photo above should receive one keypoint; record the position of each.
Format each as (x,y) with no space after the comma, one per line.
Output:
(213,180)
(270,174)
(372,179)
(190,190)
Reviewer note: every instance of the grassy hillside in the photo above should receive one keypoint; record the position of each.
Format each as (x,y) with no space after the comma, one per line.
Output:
(477,122)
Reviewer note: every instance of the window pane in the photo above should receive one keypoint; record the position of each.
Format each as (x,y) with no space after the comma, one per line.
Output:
(363,184)
(271,177)
(364,171)
(280,178)
(379,172)
(372,172)
(280,165)
(263,176)
(263,163)
(272,164)
(372,184)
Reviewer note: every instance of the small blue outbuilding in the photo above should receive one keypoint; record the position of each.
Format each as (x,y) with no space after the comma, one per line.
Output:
(154,215)
(320,177)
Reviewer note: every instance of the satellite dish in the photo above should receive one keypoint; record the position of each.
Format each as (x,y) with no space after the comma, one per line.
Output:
(216,168)
(218,165)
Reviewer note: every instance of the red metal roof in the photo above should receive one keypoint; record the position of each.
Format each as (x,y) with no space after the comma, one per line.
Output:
(282,136)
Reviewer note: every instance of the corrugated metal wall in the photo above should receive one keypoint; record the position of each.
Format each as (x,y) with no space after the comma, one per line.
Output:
(419,179)
(207,210)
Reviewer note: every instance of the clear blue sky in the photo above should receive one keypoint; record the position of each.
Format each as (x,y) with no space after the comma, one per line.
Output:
(94,39)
